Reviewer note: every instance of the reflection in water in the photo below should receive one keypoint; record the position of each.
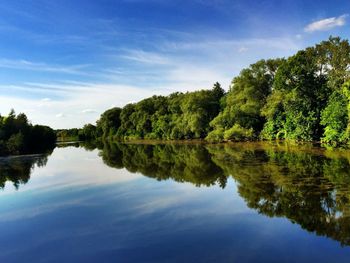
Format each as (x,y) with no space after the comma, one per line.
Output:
(307,185)
(182,163)
(308,189)
(18,169)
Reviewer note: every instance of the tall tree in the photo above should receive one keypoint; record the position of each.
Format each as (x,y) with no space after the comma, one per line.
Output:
(245,99)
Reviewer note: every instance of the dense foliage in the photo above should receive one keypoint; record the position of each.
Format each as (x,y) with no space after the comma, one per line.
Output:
(18,136)
(177,116)
(241,117)
(305,97)
(302,105)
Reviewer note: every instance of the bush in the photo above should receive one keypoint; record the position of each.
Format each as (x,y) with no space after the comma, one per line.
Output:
(216,135)
(334,118)
(238,133)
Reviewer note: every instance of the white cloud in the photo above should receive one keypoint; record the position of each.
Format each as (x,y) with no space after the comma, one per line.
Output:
(87,111)
(60,115)
(67,112)
(326,24)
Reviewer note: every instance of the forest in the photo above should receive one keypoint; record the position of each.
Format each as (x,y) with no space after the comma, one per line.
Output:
(305,97)
(19,136)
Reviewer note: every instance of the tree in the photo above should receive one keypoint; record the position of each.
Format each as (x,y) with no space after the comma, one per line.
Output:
(299,94)
(245,99)
(334,118)
(109,122)
(333,59)
(18,136)
(88,132)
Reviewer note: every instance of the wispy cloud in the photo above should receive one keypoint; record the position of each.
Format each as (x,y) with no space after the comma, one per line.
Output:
(145,57)
(326,24)
(221,45)
(22,64)
(189,64)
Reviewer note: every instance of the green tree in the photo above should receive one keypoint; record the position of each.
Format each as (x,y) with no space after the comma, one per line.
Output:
(18,136)
(299,94)
(245,100)
(335,119)
(88,132)
(108,123)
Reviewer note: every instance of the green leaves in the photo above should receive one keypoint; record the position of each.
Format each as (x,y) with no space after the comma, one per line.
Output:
(177,116)
(238,133)
(244,102)
(335,118)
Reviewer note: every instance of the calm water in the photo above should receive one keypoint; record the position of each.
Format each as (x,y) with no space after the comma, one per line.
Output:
(176,203)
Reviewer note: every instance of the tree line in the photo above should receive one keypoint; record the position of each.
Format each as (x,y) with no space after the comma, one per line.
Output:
(305,97)
(19,136)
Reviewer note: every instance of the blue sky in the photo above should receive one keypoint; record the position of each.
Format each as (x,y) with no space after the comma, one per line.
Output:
(64,62)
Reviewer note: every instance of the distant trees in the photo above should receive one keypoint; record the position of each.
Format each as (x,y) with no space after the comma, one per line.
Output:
(107,125)
(88,132)
(18,136)
(177,116)
(64,135)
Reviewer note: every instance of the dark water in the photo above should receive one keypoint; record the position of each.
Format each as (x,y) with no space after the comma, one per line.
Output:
(176,203)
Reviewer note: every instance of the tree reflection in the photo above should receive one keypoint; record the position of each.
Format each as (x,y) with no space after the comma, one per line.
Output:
(307,188)
(18,169)
(307,185)
(182,163)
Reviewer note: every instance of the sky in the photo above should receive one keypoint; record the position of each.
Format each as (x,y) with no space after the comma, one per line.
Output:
(64,62)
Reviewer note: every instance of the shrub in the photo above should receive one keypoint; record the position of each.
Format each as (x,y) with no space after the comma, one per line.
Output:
(238,133)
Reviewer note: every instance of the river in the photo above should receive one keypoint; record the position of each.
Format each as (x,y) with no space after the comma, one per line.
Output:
(243,202)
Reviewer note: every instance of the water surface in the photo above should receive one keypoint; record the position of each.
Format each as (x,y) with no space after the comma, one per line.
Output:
(248,202)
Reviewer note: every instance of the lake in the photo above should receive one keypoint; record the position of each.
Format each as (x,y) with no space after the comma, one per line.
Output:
(243,202)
